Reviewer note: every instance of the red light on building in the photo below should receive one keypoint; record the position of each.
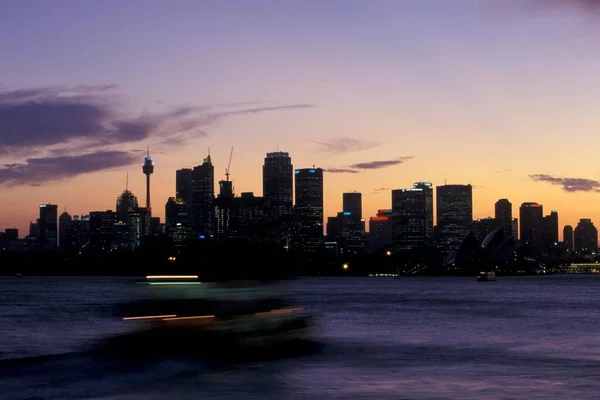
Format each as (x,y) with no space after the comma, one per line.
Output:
(379,218)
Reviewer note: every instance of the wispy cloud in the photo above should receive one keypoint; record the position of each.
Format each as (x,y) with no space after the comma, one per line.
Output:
(38,171)
(503,171)
(92,116)
(569,184)
(345,145)
(341,171)
(368,165)
(61,124)
(380,163)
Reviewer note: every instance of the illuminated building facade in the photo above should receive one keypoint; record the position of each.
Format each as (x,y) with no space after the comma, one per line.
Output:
(380,230)
(202,198)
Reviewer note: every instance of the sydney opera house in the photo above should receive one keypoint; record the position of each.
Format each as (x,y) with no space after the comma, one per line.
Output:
(496,251)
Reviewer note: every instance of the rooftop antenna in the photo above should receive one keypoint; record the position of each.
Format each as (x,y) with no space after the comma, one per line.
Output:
(445,181)
(278,146)
(127,181)
(148,151)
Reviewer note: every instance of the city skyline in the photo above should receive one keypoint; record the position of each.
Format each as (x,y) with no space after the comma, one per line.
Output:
(372,106)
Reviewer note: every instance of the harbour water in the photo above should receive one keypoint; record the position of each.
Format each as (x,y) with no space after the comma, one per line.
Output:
(379,338)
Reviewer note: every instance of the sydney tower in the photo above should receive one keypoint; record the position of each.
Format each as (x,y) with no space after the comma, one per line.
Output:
(148,169)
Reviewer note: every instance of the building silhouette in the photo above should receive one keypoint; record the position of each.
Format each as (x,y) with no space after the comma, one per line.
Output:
(380,230)
(308,209)
(183,188)
(585,237)
(202,198)
(352,204)
(531,217)
(412,217)
(568,238)
(550,232)
(454,216)
(48,227)
(64,231)
(278,175)
(503,216)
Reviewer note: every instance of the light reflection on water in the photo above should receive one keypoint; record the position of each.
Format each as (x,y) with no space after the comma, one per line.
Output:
(414,338)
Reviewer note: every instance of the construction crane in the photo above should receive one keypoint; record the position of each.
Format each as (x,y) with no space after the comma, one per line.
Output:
(229,165)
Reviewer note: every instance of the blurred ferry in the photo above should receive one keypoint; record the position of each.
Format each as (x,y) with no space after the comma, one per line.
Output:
(180,310)
(486,276)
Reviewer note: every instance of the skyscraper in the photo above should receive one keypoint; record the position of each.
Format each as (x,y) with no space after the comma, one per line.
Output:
(352,203)
(550,232)
(309,208)
(454,215)
(278,178)
(183,185)
(64,230)
(531,216)
(568,237)
(48,225)
(412,217)
(202,198)
(586,237)
(503,216)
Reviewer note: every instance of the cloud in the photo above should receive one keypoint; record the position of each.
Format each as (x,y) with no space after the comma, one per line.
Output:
(356,168)
(341,171)
(345,145)
(38,171)
(88,117)
(569,184)
(59,125)
(380,164)
(381,189)
(502,171)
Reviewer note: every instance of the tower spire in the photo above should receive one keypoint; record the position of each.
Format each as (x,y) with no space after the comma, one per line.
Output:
(127,181)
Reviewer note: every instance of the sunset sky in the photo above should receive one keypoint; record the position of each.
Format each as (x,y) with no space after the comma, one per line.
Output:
(501,94)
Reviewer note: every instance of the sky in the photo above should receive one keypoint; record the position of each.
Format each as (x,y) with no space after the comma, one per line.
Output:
(500,94)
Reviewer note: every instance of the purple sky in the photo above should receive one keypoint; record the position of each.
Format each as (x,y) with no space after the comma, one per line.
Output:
(488,92)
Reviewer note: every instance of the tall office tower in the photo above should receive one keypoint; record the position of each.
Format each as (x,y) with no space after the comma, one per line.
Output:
(550,232)
(249,210)
(309,208)
(176,220)
(351,219)
(532,216)
(503,216)
(412,217)
(100,224)
(380,230)
(568,237)
(126,203)
(483,226)
(203,198)
(585,237)
(64,230)
(48,226)
(224,209)
(514,224)
(278,178)
(183,187)
(454,216)
(148,169)
(352,203)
